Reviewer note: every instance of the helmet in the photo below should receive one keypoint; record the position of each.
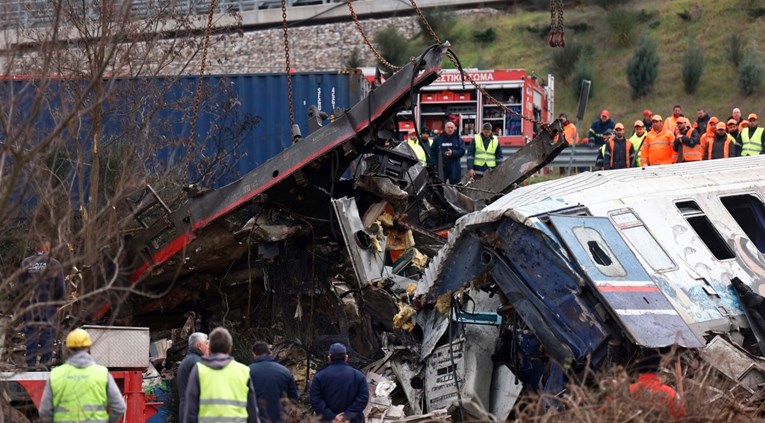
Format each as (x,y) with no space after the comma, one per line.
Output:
(78,338)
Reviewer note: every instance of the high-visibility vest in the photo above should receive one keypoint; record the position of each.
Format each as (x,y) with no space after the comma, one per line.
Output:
(751,146)
(690,154)
(627,148)
(223,393)
(418,150)
(657,148)
(726,147)
(79,394)
(637,142)
(485,156)
(570,132)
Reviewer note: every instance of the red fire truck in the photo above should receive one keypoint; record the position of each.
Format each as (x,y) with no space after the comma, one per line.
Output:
(448,99)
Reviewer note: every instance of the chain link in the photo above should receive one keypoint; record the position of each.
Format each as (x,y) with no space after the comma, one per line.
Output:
(366,39)
(492,100)
(198,95)
(557,36)
(289,66)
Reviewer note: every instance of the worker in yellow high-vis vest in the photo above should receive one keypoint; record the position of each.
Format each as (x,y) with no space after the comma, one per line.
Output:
(417,148)
(81,390)
(219,387)
(484,153)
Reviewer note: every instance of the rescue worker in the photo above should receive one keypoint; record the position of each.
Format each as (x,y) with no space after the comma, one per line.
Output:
(618,153)
(687,146)
(598,128)
(707,136)
(733,131)
(721,145)
(657,146)
(736,115)
(220,388)
(197,349)
(272,382)
(339,393)
(702,120)
(671,123)
(484,153)
(427,142)
(637,141)
(81,390)
(418,149)
(651,389)
(43,276)
(750,137)
(647,119)
(599,159)
(569,129)
(445,154)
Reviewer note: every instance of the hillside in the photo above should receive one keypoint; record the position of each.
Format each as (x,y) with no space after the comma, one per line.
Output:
(517,45)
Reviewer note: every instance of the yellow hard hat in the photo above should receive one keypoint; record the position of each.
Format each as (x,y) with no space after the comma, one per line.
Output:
(78,338)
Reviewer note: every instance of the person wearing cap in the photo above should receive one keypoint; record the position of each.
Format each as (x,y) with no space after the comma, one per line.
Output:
(686,146)
(709,133)
(598,128)
(750,137)
(702,120)
(721,145)
(657,147)
(599,159)
(618,152)
(445,154)
(637,141)
(671,122)
(272,382)
(81,390)
(220,388)
(339,393)
(647,119)
(484,153)
(427,142)
(417,148)
(569,129)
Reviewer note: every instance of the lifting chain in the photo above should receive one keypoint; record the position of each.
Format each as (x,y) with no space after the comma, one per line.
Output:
(366,39)
(289,65)
(557,36)
(492,100)
(198,95)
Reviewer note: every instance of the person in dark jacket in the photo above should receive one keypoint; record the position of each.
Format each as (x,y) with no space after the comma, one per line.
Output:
(197,348)
(721,146)
(687,143)
(220,388)
(272,382)
(446,150)
(339,393)
(45,276)
(599,127)
(618,153)
(702,119)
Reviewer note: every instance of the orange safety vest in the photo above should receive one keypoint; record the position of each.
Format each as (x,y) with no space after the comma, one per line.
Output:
(657,148)
(670,124)
(627,149)
(726,147)
(690,154)
(570,132)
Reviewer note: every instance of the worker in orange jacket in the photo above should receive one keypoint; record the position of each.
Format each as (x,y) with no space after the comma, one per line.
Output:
(671,122)
(657,147)
(686,146)
(569,129)
(651,389)
(708,134)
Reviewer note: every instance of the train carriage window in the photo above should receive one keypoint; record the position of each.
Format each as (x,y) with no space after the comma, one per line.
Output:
(643,241)
(705,230)
(749,213)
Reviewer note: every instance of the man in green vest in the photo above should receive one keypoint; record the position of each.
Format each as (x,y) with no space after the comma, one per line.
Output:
(418,149)
(219,387)
(484,152)
(81,390)
(751,138)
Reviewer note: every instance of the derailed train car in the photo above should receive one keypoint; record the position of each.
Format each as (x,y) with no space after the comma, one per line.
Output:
(599,265)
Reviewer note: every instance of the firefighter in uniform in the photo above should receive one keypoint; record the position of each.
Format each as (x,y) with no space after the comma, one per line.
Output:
(219,387)
(483,153)
(81,390)
(751,138)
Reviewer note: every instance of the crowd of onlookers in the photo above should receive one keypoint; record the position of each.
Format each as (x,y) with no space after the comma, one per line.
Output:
(676,139)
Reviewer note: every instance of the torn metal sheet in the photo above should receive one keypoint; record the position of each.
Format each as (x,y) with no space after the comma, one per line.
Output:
(368,263)
(754,308)
(622,283)
(741,367)
(407,371)
(505,390)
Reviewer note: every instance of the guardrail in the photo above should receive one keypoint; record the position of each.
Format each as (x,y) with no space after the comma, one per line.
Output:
(583,157)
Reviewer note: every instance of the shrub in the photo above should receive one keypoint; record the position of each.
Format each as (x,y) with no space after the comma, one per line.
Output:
(643,68)
(564,59)
(645,17)
(354,59)
(693,67)
(441,20)
(392,45)
(734,48)
(486,36)
(623,24)
(582,70)
(750,74)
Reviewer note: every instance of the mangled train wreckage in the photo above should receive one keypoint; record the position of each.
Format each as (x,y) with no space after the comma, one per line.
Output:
(344,237)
